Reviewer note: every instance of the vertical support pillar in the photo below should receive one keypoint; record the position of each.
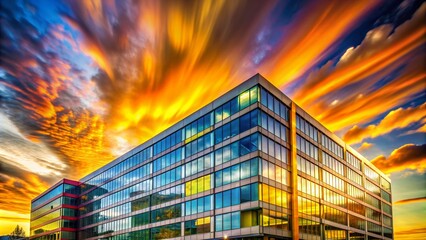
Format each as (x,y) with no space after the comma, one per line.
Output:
(293,159)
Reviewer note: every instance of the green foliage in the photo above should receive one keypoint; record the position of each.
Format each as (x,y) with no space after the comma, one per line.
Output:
(18,232)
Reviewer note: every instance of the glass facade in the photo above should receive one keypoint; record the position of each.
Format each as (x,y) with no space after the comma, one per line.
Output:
(54,214)
(225,172)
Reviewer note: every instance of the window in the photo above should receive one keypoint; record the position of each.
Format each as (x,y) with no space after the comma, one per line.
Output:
(306,147)
(168,177)
(269,101)
(140,219)
(371,174)
(237,196)
(354,176)
(306,128)
(373,214)
(228,221)
(332,146)
(387,208)
(274,196)
(199,144)
(308,207)
(385,184)
(274,172)
(356,222)
(335,198)
(335,215)
(197,226)
(356,207)
(309,227)
(198,185)
(198,165)
(372,188)
(333,181)
(334,233)
(167,231)
(223,176)
(274,149)
(307,167)
(374,228)
(275,219)
(372,201)
(273,126)
(236,104)
(333,163)
(352,160)
(198,205)
(306,186)
(168,159)
(162,214)
(236,149)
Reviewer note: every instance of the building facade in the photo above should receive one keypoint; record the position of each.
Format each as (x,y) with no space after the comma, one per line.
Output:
(249,165)
(54,213)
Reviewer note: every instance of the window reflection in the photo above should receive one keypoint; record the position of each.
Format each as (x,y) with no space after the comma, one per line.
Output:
(198,185)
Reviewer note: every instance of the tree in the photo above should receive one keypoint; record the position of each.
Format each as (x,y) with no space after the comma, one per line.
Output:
(18,232)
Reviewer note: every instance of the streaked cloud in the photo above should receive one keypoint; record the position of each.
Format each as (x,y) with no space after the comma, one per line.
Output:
(406,157)
(411,200)
(37,158)
(310,37)
(160,61)
(396,119)
(84,81)
(392,57)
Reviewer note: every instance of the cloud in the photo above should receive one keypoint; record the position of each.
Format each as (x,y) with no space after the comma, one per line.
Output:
(158,62)
(48,97)
(29,185)
(412,231)
(380,48)
(309,37)
(365,146)
(411,200)
(36,158)
(406,157)
(396,119)
(383,72)
(421,129)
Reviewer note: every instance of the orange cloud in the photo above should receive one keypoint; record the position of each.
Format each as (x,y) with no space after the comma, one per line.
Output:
(312,33)
(350,85)
(164,61)
(364,146)
(378,51)
(396,119)
(408,156)
(421,129)
(411,200)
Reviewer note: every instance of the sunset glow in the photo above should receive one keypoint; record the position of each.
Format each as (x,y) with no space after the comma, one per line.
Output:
(83,82)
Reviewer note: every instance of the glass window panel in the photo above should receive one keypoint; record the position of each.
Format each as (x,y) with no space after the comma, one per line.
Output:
(235,216)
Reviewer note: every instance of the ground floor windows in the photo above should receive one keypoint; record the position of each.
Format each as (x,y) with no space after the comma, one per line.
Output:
(197,226)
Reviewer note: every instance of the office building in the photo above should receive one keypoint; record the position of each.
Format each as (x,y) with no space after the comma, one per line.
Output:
(249,165)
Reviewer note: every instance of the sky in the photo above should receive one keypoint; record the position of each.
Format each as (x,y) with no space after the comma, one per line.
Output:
(83,82)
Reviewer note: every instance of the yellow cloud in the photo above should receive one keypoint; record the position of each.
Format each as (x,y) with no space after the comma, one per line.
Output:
(396,119)
(364,146)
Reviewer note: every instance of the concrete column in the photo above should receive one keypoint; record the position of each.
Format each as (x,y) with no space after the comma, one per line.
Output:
(293,160)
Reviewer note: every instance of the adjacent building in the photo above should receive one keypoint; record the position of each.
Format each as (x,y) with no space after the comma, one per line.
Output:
(54,213)
(249,165)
